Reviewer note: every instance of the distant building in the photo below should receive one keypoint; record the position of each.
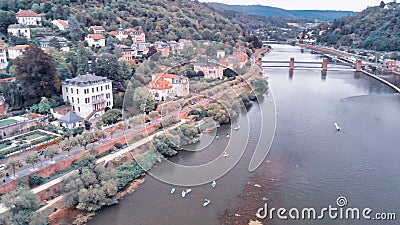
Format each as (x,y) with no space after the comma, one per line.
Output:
(28,17)
(15,51)
(3,58)
(137,34)
(164,86)
(162,47)
(211,68)
(88,95)
(45,41)
(61,24)
(70,120)
(128,53)
(220,54)
(96,40)
(19,30)
(98,29)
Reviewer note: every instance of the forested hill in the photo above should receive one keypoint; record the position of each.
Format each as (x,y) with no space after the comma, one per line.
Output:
(375,28)
(161,19)
(268,11)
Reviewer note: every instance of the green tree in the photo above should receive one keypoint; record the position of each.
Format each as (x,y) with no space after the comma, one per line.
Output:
(67,145)
(7,18)
(43,107)
(51,152)
(166,143)
(84,54)
(91,187)
(85,138)
(36,75)
(143,100)
(13,165)
(22,205)
(32,159)
(112,116)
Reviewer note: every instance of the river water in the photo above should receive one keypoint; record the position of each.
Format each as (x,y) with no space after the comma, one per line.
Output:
(310,163)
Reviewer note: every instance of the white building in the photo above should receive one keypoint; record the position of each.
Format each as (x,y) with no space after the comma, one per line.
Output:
(15,51)
(96,40)
(3,57)
(28,17)
(98,29)
(45,41)
(88,95)
(19,30)
(60,24)
(137,35)
(164,86)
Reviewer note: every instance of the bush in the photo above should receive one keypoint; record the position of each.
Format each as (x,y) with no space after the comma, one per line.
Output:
(35,180)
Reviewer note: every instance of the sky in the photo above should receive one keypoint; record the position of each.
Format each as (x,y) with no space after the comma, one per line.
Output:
(344,5)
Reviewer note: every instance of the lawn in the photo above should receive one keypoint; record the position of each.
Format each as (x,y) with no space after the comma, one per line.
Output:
(7,122)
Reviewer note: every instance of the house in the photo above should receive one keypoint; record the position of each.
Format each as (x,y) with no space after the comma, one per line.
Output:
(141,48)
(19,30)
(137,34)
(162,47)
(173,47)
(211,68)
(164,86)
(88,95)
(70,120)
(220,54)
(3,58)
(28,17)
(98,29)
(96,40)
(46,40)
(15,51)
(61,24)
(128,53)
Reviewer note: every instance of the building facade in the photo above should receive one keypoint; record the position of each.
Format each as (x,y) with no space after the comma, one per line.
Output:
(28,17)
(211,69)
(88,95)
(96,40)
(61,24)
(45,41)
(137,34)
(164,86)
(19,30)
(98,29)
(3,58)
(14,52)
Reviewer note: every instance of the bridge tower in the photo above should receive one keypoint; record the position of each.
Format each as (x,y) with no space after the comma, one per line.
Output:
(325,64)
(291,63)
(358,65)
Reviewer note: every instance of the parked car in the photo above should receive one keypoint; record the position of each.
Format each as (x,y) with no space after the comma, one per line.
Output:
(95,140)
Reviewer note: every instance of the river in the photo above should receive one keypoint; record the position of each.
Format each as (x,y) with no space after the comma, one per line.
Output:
(310,163)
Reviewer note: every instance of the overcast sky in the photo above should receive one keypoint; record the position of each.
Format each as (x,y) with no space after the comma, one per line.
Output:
(352,5)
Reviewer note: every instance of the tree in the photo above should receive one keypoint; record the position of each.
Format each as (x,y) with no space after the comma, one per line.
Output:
(124,125)
(7,18)
(51,152)
(2,174)
(112,116)
(37,76)
(74,29)
(143,100)
(382,4)
(113,130)
(91,187)
(166,143)
(43,107)
(85,138)
(84,54)
(66,145)
(55,43)
(13,165)
(22,205)
(32,159)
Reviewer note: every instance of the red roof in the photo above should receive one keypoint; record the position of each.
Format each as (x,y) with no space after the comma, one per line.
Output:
(27,13)
(159,84)
(96,36)
(97,28)
(19,47)
(165,75)
(62,22)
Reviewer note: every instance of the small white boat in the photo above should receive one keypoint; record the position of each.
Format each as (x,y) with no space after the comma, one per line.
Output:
(225,154)
(172,190)
(183,194)
(206,202)
(337,126)
(227,136)
(213,184)
(237,127)
(217,137)
(188,191)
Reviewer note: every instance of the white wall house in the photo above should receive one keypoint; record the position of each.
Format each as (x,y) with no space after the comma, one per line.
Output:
(3,57)
(60,24)
(46,40)
(98,29)
(19,30)
(163,86)
(137,34)
(211,68)
(28,17)
(15,51)
(96,40)
(88,95)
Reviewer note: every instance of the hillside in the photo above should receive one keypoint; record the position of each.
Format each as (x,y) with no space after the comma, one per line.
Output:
(161,19)
(268,11)
(374,28)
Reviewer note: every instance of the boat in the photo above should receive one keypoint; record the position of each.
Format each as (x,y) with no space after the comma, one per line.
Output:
(237,127)
(227,135)
(225,154)
(213,184)
(217,137)
(337,126)
(172,190)
(183,194)
(188,191)
(206,202)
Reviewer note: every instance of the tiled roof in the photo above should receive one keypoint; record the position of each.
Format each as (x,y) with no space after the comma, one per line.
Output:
(96,36)
(97,28)
(159,84)
(27,13)
(207,63)
(63,22)
(70,117)
(19,47)
(165,75)
(87,79)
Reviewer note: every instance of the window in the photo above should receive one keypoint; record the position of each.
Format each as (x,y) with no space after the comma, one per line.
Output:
(72,99)
(66,89)
(77,100)
(79,109)
(72,90)
(97,89)
(92,90)
(67,98)
(77,91)
(101,88)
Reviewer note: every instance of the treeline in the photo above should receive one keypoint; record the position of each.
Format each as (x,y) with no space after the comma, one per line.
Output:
(375,28)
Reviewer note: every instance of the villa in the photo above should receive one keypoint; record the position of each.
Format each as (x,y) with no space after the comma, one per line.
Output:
(137,35)
(164,86)
(61,24)
(211,68)
(96,40)
(3,58)
(28,17)
(19,30)
(14,52)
